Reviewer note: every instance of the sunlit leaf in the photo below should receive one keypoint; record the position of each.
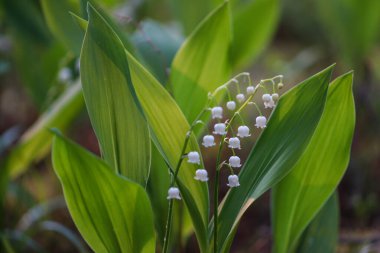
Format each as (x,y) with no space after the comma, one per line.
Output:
(112,213)
(202,63)
(169,128)
(254,23)
(279,147)
(110,99)
(299,196)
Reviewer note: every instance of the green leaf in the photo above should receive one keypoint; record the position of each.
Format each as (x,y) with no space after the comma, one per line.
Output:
(254,23)
(202,62)
(112,213)
(322,233)
(57,15)
(279,147)
(35,143)
(299,196)
(169,128)
(116,118)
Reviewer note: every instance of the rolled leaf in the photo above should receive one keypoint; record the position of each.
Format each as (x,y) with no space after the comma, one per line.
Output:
(111,101)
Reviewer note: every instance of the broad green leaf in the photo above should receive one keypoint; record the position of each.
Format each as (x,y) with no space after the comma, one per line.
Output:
(35,143)
(157,44)
(202,62)
(112,213)
(321,235)
(279,147)
(57,15)
(299,196)
(169,128)
(110,99)
(254,23)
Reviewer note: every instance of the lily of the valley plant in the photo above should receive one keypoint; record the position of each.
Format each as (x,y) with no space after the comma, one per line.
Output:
(149,189)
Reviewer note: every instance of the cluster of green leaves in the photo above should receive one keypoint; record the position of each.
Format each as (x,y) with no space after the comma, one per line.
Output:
(116,200)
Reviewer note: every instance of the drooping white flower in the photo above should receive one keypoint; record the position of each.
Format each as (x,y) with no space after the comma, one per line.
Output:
(261,122)
(250,90)
(208,141)
(217,112)
(233,181)
(201,175)
(173,193)
(231,105)
(267,98)
(65,75)
(275,97)
(270,103)
(193,157)
(220,128)
(234,161)
(234,142)
(243,131)
(240,97)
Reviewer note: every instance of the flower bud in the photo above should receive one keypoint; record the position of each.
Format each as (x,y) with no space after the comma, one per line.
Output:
(173,193)
(261,122)
(217,112)
(231,105)
(201,175)
(65,75)
(275,97)
(233,181)
(220,128)
(240,97)
(234,142)
(234,161)
(250,90)
(208,141)
(193,157)
(243,131)
(280,86)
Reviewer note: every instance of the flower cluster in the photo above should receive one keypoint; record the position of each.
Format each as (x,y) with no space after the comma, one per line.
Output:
(224,128)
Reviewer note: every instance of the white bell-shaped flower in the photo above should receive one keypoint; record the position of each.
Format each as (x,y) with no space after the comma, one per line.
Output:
(217,112)
(240,97)
(233,181)
(173,193)
(243,131)
(208,141)
(201,175)
(220,128)
(275,97)
(231,105)
(267,98)
(65,75)
(193,157)
(234,161)
(250,90)
(234,142)
(261,122)
(270,103)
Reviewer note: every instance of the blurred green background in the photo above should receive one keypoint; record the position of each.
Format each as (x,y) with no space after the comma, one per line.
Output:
(39,71)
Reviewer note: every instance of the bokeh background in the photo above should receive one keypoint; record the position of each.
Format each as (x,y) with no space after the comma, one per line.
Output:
(304,37)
